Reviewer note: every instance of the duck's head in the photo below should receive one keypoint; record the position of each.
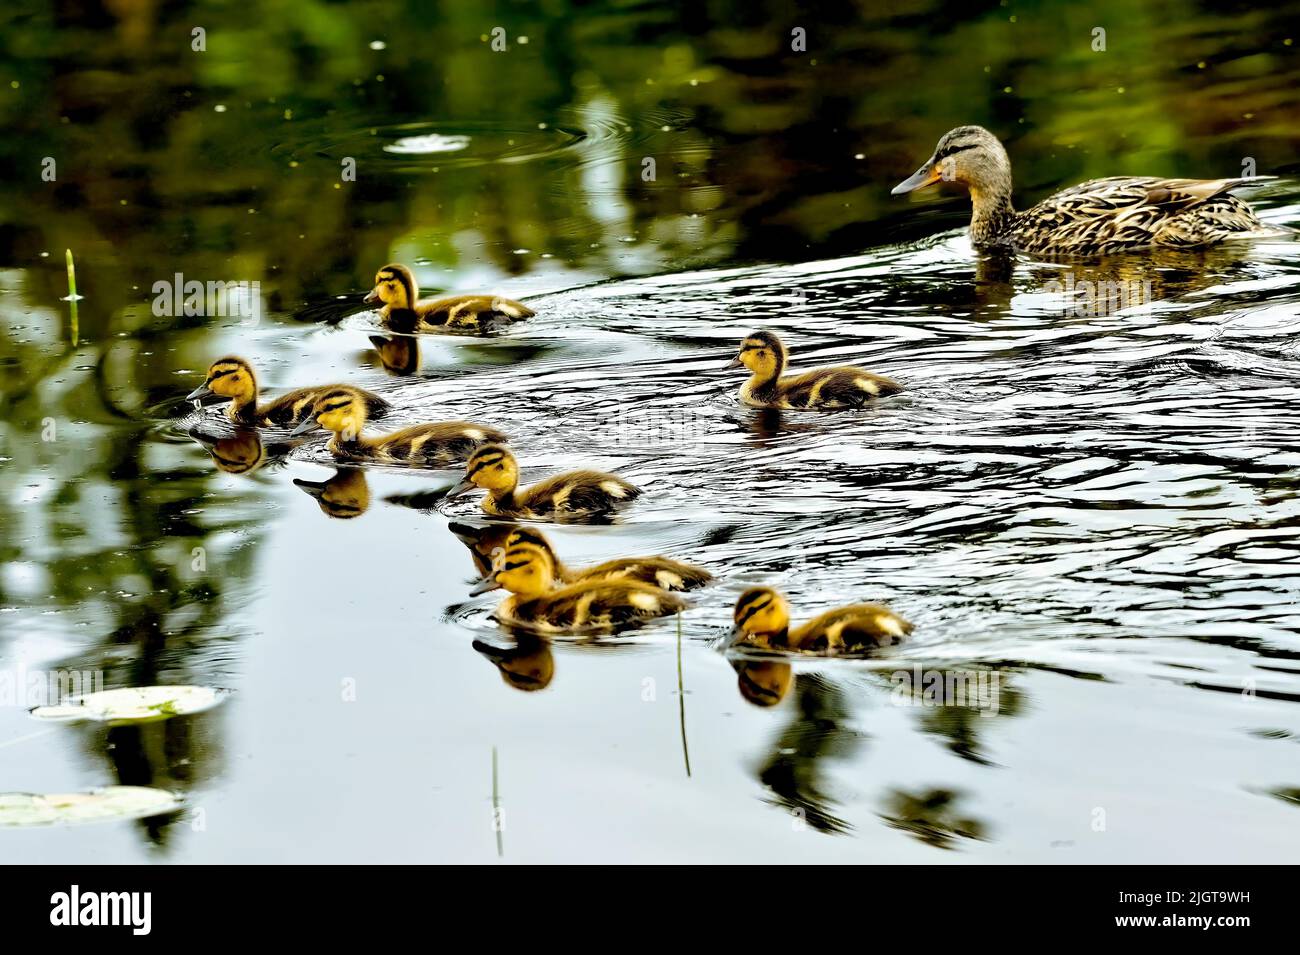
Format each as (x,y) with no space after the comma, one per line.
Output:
(763,354)
(491,467)
(345,495)
(338,410)
(524,570)
(969,155)
(760,610)
(229,377)
(763,683)
(395,286)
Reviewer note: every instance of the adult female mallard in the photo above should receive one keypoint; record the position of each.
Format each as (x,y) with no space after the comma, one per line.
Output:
(1117,214)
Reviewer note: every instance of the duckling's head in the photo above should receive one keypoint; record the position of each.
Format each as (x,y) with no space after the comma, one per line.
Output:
(763,354)
(229,377)
(760,610)
(969,155)
(338,410)
(525,570)
(520,536)
(395,286)
(491,467)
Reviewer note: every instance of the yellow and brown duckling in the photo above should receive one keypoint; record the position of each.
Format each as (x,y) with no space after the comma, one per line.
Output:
(823,389)
(537,604)
(402,311)
(344,496)
(762,621)
(662,572)
(233,378)
(1116,214)
(439,445)
(569,496)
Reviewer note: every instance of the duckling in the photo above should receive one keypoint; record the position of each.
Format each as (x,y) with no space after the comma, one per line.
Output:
(399,354)
(345,495)
(440,445)
(1116,214)
(535,604)
(762,621)
(396,288)
(233,378)
(576,494)
(824,389)
(662,572)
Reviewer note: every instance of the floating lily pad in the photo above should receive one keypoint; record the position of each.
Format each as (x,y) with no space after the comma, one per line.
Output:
(141,704)
(112,803)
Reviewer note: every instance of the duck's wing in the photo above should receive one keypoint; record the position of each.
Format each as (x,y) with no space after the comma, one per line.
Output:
(662,572)
(472,312)
(859,627)
(436,445)
(835,388)
(1129,212)
(293,408)
(579,491)
(600,605)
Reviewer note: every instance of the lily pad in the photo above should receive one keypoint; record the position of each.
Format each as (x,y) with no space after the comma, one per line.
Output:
(137,704)
(112,803)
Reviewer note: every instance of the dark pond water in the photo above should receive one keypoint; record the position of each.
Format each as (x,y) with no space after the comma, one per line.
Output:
(1088,507)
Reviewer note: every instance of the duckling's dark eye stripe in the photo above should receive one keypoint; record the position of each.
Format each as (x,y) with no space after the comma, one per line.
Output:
(753,609)
(481,463)
(222,374)
(514,565)
(335,406)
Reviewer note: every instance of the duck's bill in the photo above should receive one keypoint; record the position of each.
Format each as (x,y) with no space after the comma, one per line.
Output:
(314,488)
(373,296)
(484,585)
(734,635)
(307,424)
(925,176)
(202,391)
(456,490)
(734,363)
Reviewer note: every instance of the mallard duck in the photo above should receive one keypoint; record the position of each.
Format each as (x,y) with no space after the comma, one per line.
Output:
(399,354)
(537,604)
(662,572)
(528,665)
(345,495)
(440,445)
(233,378)
(762,621)
(1117,214)
(576,494)
(402,311)
(823,389)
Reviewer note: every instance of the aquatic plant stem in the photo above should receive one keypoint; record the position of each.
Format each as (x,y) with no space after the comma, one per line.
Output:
(496,805)
(681,697)
(72,297)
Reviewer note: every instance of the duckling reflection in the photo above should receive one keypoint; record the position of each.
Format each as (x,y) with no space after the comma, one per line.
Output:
(793,770)
(528,666)
(763,683)
(344,496)
(932,817)
(243,452)
(486,542)
(399,354)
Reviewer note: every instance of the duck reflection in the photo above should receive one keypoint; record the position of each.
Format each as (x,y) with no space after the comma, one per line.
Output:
(763,683)
(528,666)
(243,452)
(343,496)
(399,354)
(486,542)
(933,816)
(793,771)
